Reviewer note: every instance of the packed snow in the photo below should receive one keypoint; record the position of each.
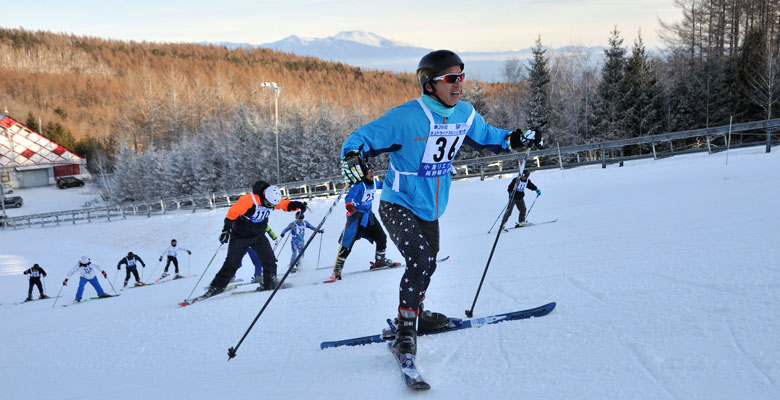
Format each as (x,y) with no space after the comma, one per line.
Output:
(666,274)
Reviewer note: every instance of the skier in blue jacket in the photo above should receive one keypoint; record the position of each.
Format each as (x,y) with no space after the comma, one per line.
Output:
(422,137)
(362,223)
(298,228)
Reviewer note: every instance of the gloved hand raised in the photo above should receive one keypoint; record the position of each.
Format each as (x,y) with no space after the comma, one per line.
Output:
(352,167)
(297,205)
(105,275)
(538,192)
(282,234)
(224,237)
(519,139)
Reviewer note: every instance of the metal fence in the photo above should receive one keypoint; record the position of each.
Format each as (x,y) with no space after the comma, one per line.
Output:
(711,140)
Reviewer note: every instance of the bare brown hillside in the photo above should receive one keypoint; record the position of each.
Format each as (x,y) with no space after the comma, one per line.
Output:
(94,86)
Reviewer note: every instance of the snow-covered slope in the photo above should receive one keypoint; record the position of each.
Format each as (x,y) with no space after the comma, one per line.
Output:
(666,275)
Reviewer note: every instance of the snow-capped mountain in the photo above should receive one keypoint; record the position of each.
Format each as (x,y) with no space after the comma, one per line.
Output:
(368,50)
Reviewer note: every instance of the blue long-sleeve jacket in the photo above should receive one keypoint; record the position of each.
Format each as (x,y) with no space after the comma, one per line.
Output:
(361,195)
(403,132)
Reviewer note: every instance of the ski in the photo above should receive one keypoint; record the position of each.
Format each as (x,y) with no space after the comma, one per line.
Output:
(455,324)
(163,280)
(531,224)
(189,302)
(394,265)
(284,286)
(92,298)
(30,301)
(412,377)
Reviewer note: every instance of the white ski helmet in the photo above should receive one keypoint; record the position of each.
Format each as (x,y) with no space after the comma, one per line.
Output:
(272,195)
(84,260)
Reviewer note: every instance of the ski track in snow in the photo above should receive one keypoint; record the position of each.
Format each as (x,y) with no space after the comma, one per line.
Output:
(708,287)
(748,357)
(587,291)
(644,365)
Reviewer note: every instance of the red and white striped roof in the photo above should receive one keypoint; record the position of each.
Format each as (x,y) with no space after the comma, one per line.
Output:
(21,146)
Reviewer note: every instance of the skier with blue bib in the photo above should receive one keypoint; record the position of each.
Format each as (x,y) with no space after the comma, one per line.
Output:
(422,138)
(298,228)
(362,223)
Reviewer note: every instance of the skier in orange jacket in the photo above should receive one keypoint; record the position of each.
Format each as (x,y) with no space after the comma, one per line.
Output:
(244,227)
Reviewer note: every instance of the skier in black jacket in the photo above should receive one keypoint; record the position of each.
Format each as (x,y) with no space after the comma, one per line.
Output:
(518,201)
(130,262)
(36,272)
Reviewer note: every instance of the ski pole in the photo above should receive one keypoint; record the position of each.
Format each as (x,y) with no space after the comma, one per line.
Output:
(109,282)
(320,252)
(470,312)
(189,257)
(530,208)
(340,243)
(204,271)
(494,222)
(115,276)
(232,351)
(154,269)
(56,299)
(281,248)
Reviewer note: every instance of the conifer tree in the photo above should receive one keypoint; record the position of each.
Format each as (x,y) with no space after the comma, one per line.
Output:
(607,116)
(539,79)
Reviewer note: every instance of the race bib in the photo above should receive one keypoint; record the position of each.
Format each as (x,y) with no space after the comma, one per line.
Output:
(442,146)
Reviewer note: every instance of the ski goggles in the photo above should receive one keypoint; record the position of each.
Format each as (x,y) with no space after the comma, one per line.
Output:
(450,78)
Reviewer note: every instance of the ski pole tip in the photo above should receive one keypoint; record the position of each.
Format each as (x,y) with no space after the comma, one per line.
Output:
(231,353)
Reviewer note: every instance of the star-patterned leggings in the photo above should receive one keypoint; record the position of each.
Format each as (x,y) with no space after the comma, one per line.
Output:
(418,242)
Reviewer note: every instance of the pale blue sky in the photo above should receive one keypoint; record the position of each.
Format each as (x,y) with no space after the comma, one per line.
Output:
(461,25)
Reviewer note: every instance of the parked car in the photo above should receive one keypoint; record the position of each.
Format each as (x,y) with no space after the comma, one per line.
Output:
(7,189)
(13,201)
(69,181)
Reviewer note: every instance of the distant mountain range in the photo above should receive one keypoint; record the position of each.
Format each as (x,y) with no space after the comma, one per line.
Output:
(367,50)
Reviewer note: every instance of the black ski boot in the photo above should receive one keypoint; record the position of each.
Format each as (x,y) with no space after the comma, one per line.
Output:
(382,261)
(212,291)
(43,296)
(405,333)
(105,295)
(431,321)
(337,268)
(29,298)
(268,284)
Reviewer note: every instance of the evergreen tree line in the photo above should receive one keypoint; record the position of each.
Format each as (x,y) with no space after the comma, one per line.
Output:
(721,62)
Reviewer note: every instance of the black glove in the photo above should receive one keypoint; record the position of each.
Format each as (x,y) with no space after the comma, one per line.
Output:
(352,167)
(189,252)
(65,282)
(321,231)
(282,234)
(105,275)
(519,139)
(160,258)
(118,268)
(297,205)
(224,237)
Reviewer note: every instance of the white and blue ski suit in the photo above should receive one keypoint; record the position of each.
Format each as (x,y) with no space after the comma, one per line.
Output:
(88,273)
(297,241)
(422,145)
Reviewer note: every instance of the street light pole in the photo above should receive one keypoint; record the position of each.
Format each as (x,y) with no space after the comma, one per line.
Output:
(276,89)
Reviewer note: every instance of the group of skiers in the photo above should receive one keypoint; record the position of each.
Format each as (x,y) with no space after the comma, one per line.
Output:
(422,138)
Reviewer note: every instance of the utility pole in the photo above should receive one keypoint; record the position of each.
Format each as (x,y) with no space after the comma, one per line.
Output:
(277,89)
